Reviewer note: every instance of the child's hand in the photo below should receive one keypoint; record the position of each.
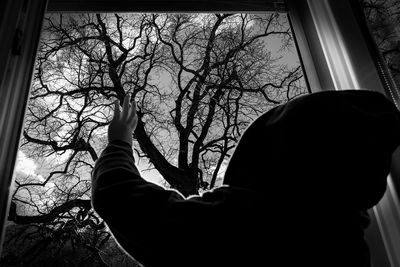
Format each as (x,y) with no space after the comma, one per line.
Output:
(123,123)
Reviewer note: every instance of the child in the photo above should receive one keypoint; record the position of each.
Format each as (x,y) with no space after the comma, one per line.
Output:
(296,189)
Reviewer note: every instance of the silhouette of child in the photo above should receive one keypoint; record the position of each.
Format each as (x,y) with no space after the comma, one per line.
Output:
(296,189)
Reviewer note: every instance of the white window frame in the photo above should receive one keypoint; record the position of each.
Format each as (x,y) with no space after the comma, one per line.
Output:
(336,52)
(20,25)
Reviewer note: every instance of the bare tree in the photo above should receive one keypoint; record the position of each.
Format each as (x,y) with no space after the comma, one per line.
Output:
(198,80)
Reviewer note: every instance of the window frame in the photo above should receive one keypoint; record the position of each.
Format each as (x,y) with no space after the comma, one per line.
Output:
(20,23)
(333,42)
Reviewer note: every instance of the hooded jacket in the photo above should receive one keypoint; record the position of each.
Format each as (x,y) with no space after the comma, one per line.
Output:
(296,190)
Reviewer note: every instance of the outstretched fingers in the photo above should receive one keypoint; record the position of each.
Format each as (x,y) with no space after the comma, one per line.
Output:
(132,118)
(117,112)
(125,107)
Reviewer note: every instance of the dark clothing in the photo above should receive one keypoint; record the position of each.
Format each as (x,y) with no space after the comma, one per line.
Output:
(296,190)
(160,227)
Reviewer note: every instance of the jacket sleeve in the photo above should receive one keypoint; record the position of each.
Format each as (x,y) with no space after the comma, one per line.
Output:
(155,225)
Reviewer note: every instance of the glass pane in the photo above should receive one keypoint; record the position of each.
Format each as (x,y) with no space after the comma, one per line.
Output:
(198,79)
(383,17)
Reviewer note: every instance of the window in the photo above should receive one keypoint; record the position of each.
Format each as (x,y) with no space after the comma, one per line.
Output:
(337,64)
(198,80)
(383,18)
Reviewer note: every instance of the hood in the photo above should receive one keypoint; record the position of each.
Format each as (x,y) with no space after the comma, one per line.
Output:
(332,146)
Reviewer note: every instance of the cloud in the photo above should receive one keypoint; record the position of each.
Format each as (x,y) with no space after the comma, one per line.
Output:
(27,166)
(24,164)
